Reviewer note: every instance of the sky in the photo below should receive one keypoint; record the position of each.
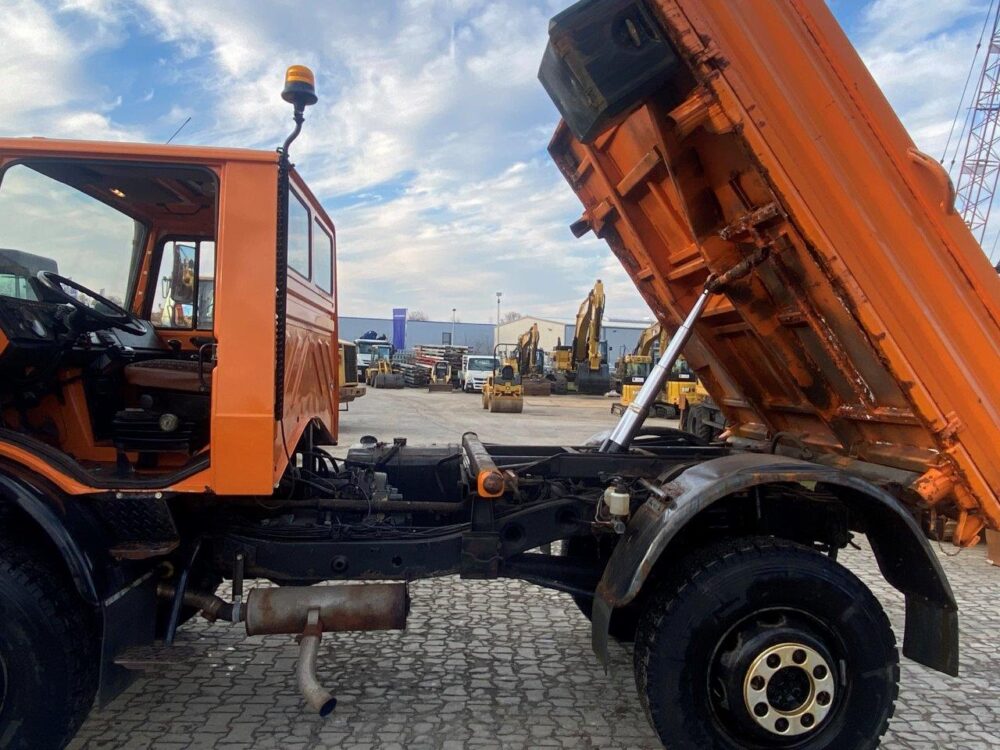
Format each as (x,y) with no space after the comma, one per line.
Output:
(428,145)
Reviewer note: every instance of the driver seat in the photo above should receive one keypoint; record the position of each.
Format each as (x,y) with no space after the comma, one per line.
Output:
(184,375)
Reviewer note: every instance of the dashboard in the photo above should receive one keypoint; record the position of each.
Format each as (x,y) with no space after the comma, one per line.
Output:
(28,321)
(37,332)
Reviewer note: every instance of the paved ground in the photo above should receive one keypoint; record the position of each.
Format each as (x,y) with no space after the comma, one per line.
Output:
(496,664)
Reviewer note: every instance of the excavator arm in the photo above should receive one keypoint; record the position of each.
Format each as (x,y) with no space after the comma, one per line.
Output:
(591,372)
(644,347)
(527,350)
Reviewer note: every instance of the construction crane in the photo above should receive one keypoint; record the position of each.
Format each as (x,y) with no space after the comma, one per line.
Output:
(980,167)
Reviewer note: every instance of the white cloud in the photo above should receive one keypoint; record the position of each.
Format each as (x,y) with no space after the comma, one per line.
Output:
(428,141)
(45,91)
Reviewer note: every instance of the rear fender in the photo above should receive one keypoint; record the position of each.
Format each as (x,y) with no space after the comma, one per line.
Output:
(904,555)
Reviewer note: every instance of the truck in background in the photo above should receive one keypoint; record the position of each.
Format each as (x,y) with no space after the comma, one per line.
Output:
(476,370)
(370,351)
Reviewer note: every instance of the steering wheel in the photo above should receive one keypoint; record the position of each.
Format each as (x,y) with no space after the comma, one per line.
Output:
(112,315)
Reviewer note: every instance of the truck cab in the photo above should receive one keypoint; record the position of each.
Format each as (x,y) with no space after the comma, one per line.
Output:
(128,354)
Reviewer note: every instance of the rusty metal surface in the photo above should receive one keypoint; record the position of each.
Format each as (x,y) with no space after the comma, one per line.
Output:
(904,554)
(872,330)
(489,479)
(370,606)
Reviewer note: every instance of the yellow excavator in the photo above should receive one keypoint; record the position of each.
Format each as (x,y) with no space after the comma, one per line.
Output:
(582,363)
(682,388)
(533,380)
(632,370)
(503,392)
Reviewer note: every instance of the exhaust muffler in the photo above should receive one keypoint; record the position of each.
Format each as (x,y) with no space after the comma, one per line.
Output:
(368,606)
(309,612)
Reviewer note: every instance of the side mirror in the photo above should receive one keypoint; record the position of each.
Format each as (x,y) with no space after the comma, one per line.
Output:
(182,276)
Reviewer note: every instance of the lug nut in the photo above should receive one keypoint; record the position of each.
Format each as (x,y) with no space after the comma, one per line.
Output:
(761,709)
(774,661)
(820,672)
(781,725)
(758,683)
(799,657)
(823,698)
(808,720)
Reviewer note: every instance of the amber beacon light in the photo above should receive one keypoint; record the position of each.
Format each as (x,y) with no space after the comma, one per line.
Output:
(300,87)
(300,92)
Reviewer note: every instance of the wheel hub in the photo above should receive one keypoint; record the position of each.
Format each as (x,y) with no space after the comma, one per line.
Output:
(789,689)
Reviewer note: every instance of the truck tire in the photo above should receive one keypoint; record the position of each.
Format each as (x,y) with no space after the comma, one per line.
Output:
(695,420)
(48,653)
(760,643)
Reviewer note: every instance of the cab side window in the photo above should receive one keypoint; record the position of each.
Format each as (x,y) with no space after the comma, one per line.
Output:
(185,294)
(322,257)
(298,235)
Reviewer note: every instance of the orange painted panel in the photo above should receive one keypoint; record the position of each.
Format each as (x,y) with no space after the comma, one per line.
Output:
(311,352)
(243,424)
(872,330)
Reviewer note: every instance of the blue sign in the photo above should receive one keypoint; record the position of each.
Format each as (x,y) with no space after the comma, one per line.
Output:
(399,328)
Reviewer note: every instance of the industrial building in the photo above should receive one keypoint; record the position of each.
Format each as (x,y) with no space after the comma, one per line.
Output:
(477,336)
(620,335)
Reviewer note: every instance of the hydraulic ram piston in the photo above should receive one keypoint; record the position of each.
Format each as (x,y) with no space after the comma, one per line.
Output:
(634,416)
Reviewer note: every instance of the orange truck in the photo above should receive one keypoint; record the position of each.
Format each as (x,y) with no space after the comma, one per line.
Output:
(751,178)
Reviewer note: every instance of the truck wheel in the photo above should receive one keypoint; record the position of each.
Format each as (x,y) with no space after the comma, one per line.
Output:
(48,653)
(696,422)
(761,643)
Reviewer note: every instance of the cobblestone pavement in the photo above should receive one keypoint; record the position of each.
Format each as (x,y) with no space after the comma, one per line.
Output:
(497,665)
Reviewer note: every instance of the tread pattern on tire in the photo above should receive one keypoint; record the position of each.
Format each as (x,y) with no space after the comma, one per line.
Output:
(702,562)
(68,616)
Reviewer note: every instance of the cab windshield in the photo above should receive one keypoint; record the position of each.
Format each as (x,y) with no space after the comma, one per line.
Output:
(482,364)
(370,347)
(637,369)
(47,225)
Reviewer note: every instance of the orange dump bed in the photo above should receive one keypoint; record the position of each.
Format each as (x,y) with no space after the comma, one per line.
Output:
(870,335)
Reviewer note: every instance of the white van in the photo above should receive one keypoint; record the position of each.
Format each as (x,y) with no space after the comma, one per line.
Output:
(475,369)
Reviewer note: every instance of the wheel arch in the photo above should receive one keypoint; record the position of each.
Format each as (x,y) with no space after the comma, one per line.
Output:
(903,554)
(53,518)
(119,593)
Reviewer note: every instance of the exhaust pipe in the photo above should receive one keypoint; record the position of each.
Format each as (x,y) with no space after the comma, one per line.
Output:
(309,612)
(318,697)
(314,610)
